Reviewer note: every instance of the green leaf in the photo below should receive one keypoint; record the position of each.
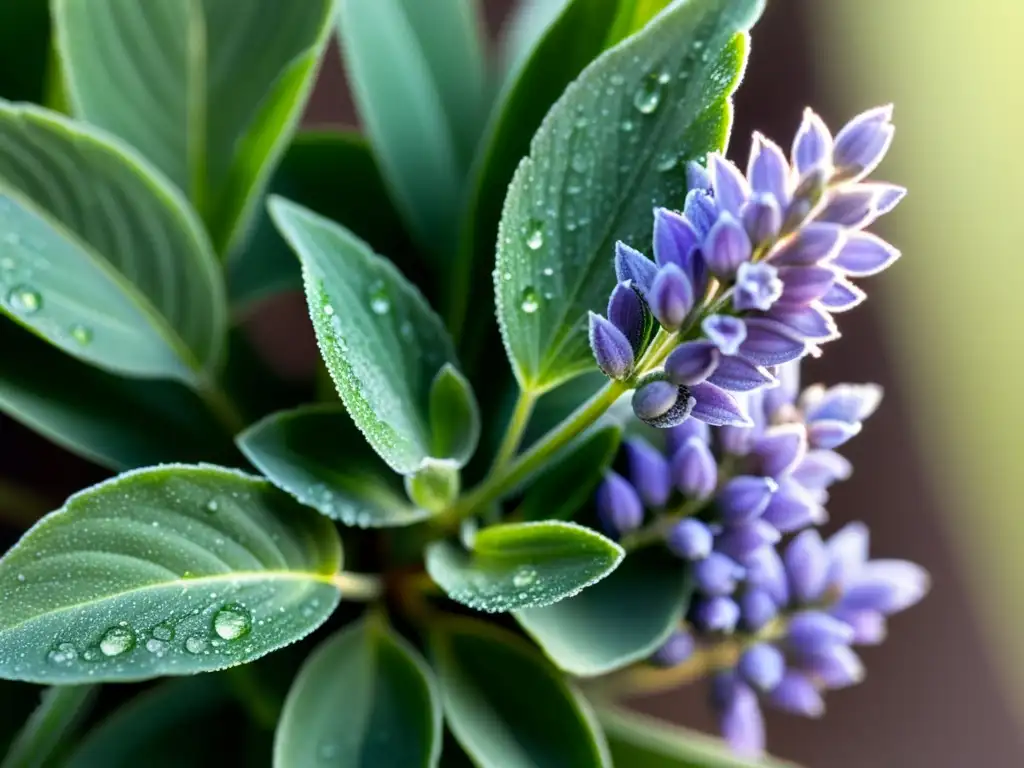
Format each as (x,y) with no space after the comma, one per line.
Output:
(633,16)
(24,49)
(209,90)
(164,571)
(382,343)
(417,75)
(567,484)
(59,713)
(507,706)
(331,173)
(454,416)
(622,619)
(638,741)
(316,454)
(101,256)
(148,729)
(116,422)
(522,565)
(615,143)
(364,697)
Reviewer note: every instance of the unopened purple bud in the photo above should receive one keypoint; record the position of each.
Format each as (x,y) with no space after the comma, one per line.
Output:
(700,210)
(847,553)
(717,407)
(618,505)
(762,218)
(802,285)
(740,719)
(717,574)
(849,206)
(762,665)
(758,286)
(812,147)
(766,571)
(812,632)
(677,437)
(612,350)
(726,246)
(648,472)
(869,627)
(770,343)
(627,313)
(885,586)
(811,323)
(740,542)
(864,254)
(674,651)
(862,143)
(842,296)
(717,614)
(768,170)
(830,433)
(812,244)
(744,498)
(796,694)
(675,240)
(633,266)
(834,667)
(730,188)
(734,374)
(690,539)
(793,508)
(725,332)
(697,177)
(694,470)
(757,608)
(844,402)
(692,362)
(781,448)
(807,564)
(819,469)
(671,297)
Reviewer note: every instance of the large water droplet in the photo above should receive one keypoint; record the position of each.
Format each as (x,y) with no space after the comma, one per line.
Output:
(63,653)
(528,302)
(25,300)
(379,301)
(648,96)
(156,646)
(232,622)
(524,577)
(81,334)
(535,236)
(666,161)
(163,631)
(195,644)
(116,641)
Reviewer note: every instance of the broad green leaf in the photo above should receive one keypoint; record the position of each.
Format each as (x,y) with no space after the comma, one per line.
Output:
(639,741)
(24,49)
(331,173)
(615,144)
(364,697)
(382,343)
(507,706)
(454,416)
(165,571)
(116,422)
(208,90)
(417,75)
(60,711)
(622,619)
(570,482)
(148,729)
(100,256)
(522,565)
(317,455)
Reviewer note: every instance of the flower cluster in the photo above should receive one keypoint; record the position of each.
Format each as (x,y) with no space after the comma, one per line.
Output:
(749,274)
(722,500)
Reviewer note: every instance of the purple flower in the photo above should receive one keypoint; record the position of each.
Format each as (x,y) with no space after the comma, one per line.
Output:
(690,539)
(648,472)
(762,666)
(716,614)
(725,332)
(745,498)
(807,565)
(812,147)
(618,505)
(757,608)
(694,470)
(692,362)
(813,244)
(627,313)
(730,188)
(676,241)
(717,574)
(663,404)
(612,350)
(674,651)
(797,695)
(863,142)
(811,632)
(768,170)
(740,718)
(762,218)
(671,297)
(735,374)
(780,449)
(726,246)
(758,286)
(742,541)
(634,267)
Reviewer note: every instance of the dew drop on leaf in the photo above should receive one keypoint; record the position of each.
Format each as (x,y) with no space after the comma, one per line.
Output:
(535,236)
(163,632)
(232,622)
(524,577)
(648,96)
(328,310)
(195,644)
(528,302)
(627,125)
(379,301)
(25,300)
(212,506)
(116,641)
(666,161)
(64,653)
(81,334)
(156,646)
(548,272)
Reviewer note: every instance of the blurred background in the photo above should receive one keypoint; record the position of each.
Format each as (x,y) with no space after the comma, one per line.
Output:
(937,475)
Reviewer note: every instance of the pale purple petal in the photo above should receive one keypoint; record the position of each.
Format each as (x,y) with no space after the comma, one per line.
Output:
(726,246)
(807,564)
(612,350)
(692,362)
(674,239)
(812,244)
(648,471)
(797,695)
(626,312)
(735,374)
(726,332)
(730,188)
(802,285)
(812,147)
(842,296)
(694,470)
(864,254)
(770,343)
(716,407)
(632,265)
(758,286)
(768,170)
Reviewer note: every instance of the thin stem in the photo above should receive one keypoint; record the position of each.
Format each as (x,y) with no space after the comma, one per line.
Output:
(222,407)
(655,532)
(361,587)
(515,429)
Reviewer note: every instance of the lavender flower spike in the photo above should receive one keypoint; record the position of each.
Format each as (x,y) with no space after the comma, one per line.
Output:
(612,350)
(740,718)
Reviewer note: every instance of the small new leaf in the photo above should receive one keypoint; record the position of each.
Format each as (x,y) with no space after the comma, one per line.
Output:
(522,565)
(454,416)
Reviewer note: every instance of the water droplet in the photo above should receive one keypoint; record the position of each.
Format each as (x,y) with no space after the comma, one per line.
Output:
(573,189)
(212,506)
(579,163)
(581,122)
(667,161)
(232,622)
(21,577)
(379,301)
(64,653)
(617,79)
(25,300)
(664,77)
(116,641)
(506,276)
(535,236)
(327,751)
(524,577)
(648,96)
(163,631)
(548,272)
(328,310)
(528,303)
(627,125)
(81,334)
(195,644)
(156,646)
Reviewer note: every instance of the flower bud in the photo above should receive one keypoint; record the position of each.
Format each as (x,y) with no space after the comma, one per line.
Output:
(869,627)
(648,472)
(717,574)
(829,433)
(762,218)
(762,665)
(627,312)
(847,553)
(716,614)
(793,508)
(726,246)
(802,285)
(700,210)
(740,718)
(850,206)
(864,254)
(690,539)
(812,244)
(734,374)
(885,586)
(770,343)
(780,448)
(742,541)
(675,240)
(862,143)
(812,632)
(671,297)
(757,608)
(717,407)
(768,170)
(834,667)
(766,571)
(691,362)
(694,470)
(674,651)
(618,505)
(676,437)
(796,694)
(633,266)
(812,146)
(807,565)
(697,177)
(662,404)
(745,498)
(730,187)
(612,350)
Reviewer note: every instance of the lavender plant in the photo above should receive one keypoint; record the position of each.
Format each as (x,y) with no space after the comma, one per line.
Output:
(489,561)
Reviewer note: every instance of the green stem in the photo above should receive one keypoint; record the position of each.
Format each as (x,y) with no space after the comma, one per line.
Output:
(515,429)
(360,587)
(222,407)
